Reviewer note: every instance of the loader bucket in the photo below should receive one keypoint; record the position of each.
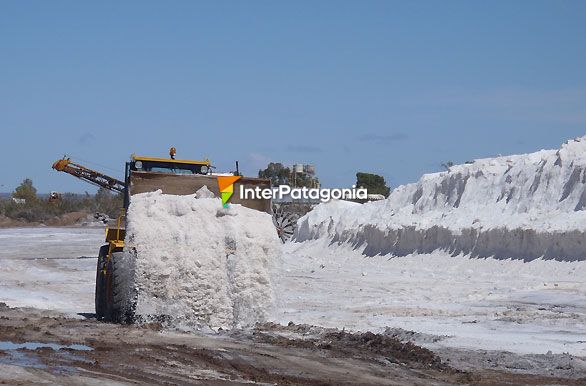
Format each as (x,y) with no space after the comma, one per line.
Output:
(181,184)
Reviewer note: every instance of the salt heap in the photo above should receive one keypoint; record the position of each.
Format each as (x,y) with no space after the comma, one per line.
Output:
(200,265)
(520,206)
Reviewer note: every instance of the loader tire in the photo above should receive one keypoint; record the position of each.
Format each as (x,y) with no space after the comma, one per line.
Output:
(120,291)
(100,294)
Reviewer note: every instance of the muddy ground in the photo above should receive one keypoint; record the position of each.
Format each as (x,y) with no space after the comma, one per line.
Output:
(85,351)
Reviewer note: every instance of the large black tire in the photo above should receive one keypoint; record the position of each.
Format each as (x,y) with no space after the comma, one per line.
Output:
(120,290)
(100,294)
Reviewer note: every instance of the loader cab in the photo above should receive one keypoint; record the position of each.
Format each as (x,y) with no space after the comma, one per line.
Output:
(158,166)
(171,166)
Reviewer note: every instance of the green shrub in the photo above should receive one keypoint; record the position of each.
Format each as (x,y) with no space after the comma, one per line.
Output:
(374,183)
(36,209)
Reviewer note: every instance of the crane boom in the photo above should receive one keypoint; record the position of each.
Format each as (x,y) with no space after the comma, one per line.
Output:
(89,175)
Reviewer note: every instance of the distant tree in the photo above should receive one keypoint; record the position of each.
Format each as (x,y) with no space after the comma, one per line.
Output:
(102,195)
(282,175)
(26,191)
(276,172)
(107,202)
(447,165)
(374,183)
(36,209)
(306,180)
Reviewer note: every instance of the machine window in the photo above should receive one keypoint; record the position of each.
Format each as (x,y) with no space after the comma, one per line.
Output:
(172,168)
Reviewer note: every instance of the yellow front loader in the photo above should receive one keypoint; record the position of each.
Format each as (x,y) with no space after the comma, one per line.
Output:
(146,174)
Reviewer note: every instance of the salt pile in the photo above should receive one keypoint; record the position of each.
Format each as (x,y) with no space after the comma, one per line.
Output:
(200,265)
(521,206)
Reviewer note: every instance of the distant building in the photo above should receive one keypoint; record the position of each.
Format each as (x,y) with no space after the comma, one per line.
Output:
(304,175)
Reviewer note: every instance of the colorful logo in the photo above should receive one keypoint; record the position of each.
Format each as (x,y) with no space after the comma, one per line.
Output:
(226,184)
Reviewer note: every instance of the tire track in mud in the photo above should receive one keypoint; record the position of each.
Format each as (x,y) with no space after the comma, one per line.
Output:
(268,353)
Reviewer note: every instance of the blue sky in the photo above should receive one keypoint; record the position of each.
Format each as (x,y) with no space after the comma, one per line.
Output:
(394,88)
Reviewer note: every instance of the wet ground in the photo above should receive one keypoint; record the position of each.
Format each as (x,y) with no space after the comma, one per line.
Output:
(47,347)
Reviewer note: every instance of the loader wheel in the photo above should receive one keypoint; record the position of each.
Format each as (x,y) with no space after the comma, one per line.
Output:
(120,291)
(285,223)
(100,294)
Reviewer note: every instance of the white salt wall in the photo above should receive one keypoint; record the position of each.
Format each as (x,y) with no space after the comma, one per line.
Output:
(522,206)
(490,304)
(200,264)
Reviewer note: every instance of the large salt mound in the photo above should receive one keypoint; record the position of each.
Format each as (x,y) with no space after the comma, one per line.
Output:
(522,206)
(200,265)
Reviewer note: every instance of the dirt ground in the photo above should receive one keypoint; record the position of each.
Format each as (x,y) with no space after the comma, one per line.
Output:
(104,353)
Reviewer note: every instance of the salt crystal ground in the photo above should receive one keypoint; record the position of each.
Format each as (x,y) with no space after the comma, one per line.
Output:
(489,304)
(49,268)
(475,303)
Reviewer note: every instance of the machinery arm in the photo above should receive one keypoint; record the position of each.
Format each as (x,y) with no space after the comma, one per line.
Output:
(89,175)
